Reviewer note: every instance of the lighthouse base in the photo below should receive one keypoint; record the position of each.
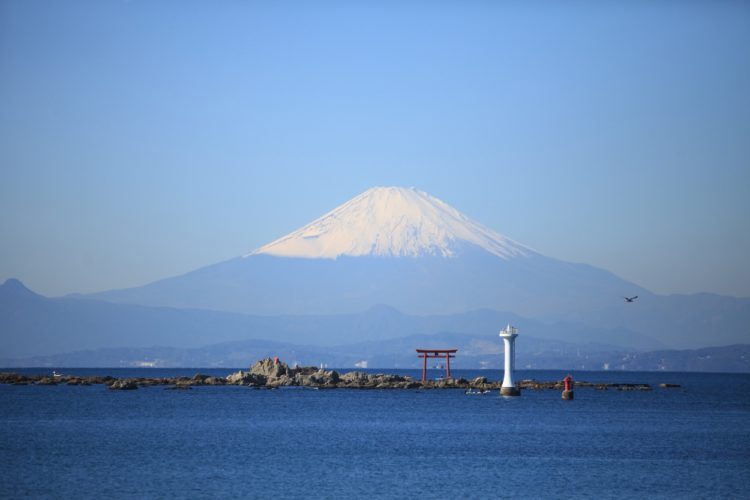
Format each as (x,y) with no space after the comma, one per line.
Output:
(567,395)
(510,391)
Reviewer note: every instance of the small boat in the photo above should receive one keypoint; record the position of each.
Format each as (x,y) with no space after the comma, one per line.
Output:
(55,374)
(475,392)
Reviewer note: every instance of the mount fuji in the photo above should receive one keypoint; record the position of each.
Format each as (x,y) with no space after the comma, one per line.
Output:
(389,245)
(407,249)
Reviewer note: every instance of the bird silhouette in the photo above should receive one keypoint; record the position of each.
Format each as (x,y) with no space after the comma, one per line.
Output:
(630,299)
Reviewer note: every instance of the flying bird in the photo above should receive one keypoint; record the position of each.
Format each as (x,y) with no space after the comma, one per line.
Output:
(630,299)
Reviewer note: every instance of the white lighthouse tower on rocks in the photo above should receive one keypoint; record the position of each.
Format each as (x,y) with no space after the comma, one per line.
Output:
(509,338)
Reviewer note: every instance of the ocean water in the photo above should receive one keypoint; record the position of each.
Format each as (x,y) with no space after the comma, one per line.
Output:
(236,442)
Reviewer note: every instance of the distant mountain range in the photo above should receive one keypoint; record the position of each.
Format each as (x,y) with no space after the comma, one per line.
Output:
(36,325)
(77,333)
(390,264)
(411,251)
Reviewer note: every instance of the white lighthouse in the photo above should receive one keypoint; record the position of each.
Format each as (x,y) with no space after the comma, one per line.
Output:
(509,338)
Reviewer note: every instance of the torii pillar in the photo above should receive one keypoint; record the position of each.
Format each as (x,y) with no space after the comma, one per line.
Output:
(426,354)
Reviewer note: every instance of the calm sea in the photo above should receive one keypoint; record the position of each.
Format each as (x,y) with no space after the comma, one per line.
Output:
(236,442)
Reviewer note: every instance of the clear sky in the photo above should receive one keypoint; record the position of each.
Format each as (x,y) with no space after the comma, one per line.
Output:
(144,139)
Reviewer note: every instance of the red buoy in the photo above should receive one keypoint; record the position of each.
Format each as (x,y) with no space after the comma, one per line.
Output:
(568,390)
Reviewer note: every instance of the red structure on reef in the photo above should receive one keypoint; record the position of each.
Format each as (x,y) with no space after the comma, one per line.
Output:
(436,353)
(567,393)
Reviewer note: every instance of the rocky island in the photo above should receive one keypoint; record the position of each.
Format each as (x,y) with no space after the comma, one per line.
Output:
(272,374)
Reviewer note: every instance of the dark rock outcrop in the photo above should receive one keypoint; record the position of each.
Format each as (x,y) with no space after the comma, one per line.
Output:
(14,378)
(123,385)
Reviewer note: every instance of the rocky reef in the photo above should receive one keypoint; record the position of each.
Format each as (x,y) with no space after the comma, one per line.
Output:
(272,374)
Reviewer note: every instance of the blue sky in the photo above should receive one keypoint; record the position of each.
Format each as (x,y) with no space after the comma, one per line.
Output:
(144,139)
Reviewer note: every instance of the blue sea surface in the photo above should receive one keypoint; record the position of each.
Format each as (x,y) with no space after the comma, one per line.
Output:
(236,442)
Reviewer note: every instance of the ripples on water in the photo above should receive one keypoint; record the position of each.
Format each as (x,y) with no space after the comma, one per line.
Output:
(71,442)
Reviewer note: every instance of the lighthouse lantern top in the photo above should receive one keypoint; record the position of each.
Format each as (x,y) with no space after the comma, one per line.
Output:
(509,331)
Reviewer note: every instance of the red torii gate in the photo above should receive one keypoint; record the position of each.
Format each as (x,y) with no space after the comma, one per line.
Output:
(436,353)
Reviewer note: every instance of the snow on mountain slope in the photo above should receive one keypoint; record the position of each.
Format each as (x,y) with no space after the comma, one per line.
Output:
(391,222)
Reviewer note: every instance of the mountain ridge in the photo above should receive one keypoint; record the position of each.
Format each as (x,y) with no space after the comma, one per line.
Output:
(47,326)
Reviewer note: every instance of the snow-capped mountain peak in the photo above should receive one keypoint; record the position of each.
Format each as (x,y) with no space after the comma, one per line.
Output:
(391,222)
